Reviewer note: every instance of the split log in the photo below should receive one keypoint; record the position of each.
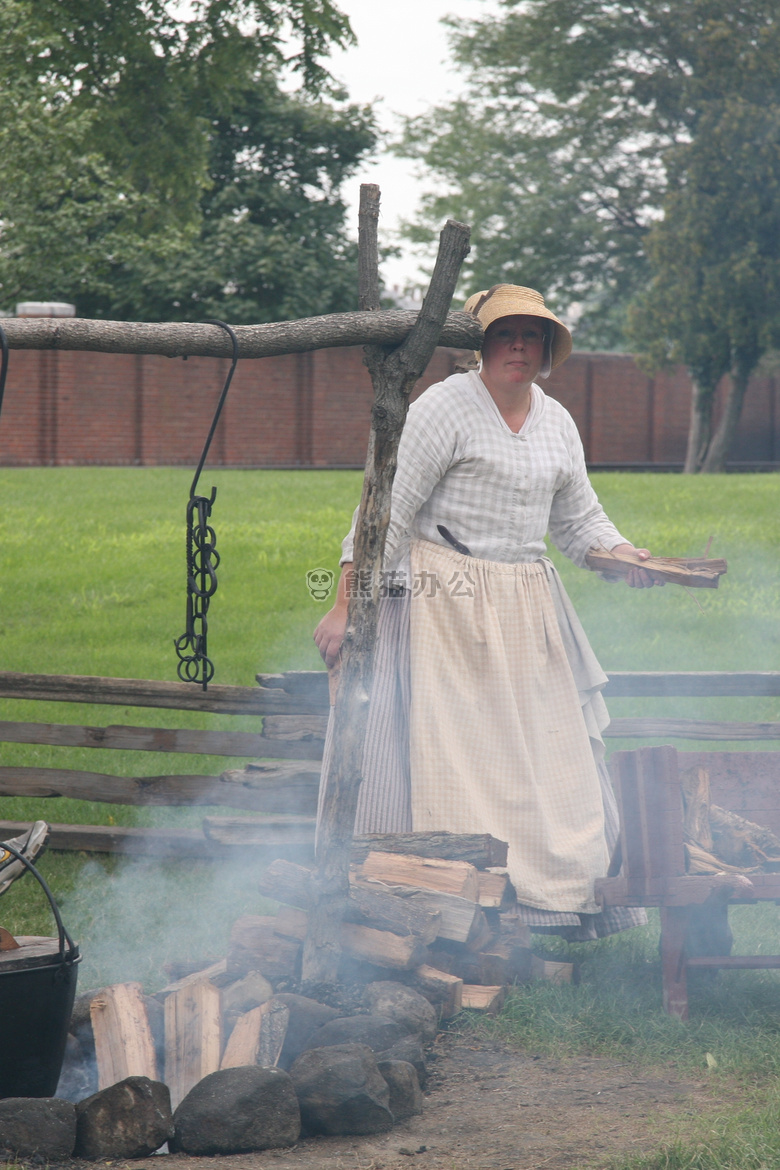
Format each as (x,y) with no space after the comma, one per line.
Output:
(483,999)
(694,572)
(478,849)
(428,873)
(215,973)
(193,1037)
(123,1039)
(393,375)
(383,948)
(187,339)
(462,920)
(255,946)
(441,988)
(496,892)
(291,884)
(7,940)
(551,971)
(501,964)
(258,1036)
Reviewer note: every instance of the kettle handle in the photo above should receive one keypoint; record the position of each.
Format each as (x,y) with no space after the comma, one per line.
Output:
(64,937)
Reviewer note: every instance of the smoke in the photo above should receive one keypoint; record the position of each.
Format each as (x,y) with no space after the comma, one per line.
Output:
(131,919)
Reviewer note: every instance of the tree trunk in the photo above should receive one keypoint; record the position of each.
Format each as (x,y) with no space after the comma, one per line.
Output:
(721,443)
(393,373)
(700,430)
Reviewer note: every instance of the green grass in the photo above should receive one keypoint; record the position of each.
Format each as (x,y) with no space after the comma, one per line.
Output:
(94,584)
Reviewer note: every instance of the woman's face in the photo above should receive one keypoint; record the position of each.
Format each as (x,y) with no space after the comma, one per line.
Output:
(512,351)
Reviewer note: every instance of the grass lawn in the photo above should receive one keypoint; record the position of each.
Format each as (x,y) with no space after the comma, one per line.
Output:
(94,584)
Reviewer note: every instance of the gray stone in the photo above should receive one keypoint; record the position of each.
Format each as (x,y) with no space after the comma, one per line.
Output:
(238,1111)
(130,1119)
(341,1091)
(409,1049)
(376,1032)
(405,1006)
(306,1016)
(405,1092)
(45,1126)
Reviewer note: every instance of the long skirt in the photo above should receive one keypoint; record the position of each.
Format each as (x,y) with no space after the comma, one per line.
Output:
(486,716)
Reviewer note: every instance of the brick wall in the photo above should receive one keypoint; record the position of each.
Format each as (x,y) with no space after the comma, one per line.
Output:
(312,410)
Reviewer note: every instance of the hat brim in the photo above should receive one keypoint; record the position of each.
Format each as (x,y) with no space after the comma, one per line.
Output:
(510,300)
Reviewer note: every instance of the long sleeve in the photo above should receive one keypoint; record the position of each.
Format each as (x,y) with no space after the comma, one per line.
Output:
(577,520)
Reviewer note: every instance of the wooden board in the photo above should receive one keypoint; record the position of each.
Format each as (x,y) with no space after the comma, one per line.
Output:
(170,843)
(123,1039)
(644,684)
(133,692)
(271,788)
(647,727)
(193,1037)
(139,739)
(746,783)
(247,831)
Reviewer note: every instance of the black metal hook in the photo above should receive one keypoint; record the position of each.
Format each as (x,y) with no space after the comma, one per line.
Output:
(202,557)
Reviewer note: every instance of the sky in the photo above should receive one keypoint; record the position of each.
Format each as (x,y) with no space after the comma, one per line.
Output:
(401,58)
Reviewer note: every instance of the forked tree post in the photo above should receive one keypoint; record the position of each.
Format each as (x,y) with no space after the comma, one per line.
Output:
(394,372)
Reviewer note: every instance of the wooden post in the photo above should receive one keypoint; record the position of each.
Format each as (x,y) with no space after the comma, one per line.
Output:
(394,373)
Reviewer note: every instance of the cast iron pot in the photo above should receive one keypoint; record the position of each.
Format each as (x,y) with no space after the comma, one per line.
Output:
(37,988)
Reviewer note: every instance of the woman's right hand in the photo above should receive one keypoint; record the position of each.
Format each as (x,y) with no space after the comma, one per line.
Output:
(330,634)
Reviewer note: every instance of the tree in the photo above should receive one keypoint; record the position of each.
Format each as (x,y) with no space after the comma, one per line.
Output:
(714,300)
(153,166)
(559,154)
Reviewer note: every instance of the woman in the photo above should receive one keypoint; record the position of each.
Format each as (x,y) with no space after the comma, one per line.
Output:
(486,713)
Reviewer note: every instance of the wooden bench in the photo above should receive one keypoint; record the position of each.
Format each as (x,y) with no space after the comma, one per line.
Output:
(651,855)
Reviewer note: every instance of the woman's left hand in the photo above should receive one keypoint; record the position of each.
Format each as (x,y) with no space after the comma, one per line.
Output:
(638,578)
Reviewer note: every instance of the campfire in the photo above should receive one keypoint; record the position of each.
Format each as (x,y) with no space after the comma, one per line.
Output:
(238,1055)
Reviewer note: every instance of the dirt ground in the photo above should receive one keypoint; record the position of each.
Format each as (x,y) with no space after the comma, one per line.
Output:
(489,1107)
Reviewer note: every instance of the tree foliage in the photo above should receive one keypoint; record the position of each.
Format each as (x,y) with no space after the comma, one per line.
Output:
(156,165)
(559,154)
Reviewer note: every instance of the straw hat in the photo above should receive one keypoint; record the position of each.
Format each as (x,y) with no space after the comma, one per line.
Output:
(508,300)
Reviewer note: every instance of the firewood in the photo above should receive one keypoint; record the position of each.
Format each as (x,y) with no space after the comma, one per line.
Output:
(123,1039)
(551,971)
(215,973)
(7,940)
(291,884)
(441,988)
(479,849)
(258,1036)
(695,572)
(429,873)
(483,999)
(719,841)
(461,919)
(502,964)
(380,947)
(495,891)
(255,946)
(193,1037)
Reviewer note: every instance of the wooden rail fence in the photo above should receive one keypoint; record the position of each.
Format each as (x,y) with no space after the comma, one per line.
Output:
(279,776)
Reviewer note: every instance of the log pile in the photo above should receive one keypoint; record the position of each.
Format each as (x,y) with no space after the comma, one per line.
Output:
(719,841)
